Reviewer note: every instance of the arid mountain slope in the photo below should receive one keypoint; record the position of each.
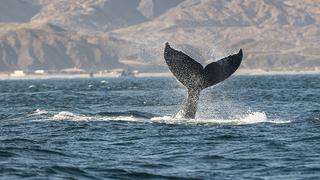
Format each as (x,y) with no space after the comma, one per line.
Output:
(105,34)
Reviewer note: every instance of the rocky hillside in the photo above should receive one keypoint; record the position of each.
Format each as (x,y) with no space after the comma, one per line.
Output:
(105,34)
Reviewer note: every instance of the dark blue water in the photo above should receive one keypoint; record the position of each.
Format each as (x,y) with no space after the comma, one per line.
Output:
(249,127)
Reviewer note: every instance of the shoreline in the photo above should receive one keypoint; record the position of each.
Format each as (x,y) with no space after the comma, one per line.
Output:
(273,72)
(167,74)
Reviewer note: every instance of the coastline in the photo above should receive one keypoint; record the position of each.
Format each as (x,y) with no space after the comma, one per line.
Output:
(52,76)
(248,72)
(274,72)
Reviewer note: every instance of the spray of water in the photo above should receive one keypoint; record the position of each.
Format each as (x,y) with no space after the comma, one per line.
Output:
(249,118)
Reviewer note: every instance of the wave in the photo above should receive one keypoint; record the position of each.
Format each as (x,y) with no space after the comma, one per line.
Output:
(250,118)
(71,170)
(142,117)
(40,115)
(7,154)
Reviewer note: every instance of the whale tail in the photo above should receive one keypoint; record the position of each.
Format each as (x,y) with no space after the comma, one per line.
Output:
(192,74)
(196,78)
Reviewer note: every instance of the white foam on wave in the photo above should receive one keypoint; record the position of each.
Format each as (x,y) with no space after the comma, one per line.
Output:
(249,118)
(40,112)
(40,115)
(103,82)
(66,115)
(31,86)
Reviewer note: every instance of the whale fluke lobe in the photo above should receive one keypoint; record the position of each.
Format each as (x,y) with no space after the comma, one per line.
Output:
(216,72)
(188,71)
(196,78)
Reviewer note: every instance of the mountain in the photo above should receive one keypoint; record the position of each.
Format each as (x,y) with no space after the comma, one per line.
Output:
(50,47)
(130,34)
(18,11)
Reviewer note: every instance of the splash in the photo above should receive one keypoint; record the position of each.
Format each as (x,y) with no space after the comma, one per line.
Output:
(250,118)
(66,115)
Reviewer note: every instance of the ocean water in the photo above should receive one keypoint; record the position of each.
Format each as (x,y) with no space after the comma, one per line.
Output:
(248,127)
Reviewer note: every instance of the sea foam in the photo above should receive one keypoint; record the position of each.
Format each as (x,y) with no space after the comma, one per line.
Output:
(247,118)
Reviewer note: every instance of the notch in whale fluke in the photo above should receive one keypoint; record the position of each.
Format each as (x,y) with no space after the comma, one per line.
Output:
(192,74)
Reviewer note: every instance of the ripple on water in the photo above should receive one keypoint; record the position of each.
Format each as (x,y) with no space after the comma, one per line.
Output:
(248,127)
(7,154)
(69,171)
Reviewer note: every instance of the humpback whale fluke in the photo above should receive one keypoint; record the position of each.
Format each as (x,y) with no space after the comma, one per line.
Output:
(196,78)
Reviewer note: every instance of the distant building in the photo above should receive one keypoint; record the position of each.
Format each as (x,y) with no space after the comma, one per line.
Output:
(73,71)
(17,73)
(122,72)
(40,72)
(117,71)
